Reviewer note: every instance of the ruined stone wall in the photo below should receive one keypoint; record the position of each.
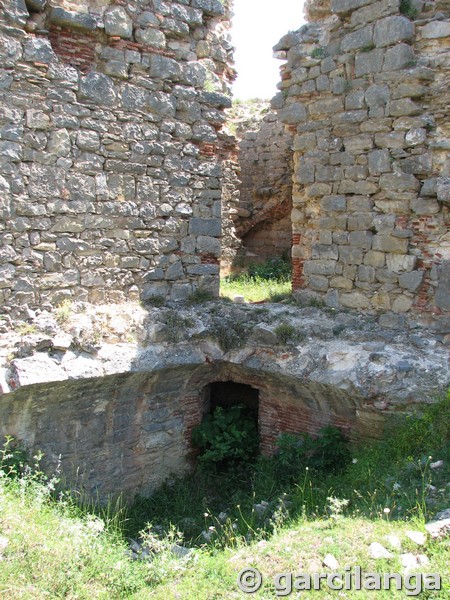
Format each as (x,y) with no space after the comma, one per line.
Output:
(260,212)
(365,90)
(109,176)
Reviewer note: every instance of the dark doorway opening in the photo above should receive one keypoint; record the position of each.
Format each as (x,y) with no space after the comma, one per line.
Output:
(228,435)
(230,393)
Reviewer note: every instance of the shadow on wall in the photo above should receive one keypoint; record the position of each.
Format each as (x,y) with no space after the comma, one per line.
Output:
(127,433)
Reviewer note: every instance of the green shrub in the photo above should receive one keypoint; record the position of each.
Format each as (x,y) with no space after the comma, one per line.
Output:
(13,457)
(226,436)
(408,9)
(318,53)
(285,332)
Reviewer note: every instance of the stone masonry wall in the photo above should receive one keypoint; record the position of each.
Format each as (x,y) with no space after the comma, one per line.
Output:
(365,90)
(260,215)
(109,176)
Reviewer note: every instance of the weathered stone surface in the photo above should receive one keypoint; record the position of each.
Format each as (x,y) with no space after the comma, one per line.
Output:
(151,37)
(344,6)
(98,88)
(205,227)
(293,113)
(392,30)
(436,29)
(16,11)
(72,20)
(39,50)
(442,298)
(443,189)
(399,57)
(117,22)
(369,62)
(411,281)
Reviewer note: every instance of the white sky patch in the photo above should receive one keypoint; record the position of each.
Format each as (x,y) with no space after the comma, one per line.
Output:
(257,27)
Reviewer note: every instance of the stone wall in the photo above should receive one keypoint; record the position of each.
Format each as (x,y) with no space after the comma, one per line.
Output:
(115,391)
(260,214)
(365,90)
(110,183)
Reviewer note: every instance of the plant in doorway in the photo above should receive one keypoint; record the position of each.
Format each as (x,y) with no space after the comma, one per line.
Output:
(226,437)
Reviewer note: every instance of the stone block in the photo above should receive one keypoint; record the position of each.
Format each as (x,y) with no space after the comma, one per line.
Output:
(374,11)
(419,164)
(16,11)
(118,22)
(355,300)
(209,7)
(366,273)
(399,57)
(377,95)
(151,37)
(369,62)
(360,239)
(411,281)
(350,255)
(203,270)
(379,162)
(442,297)
(391,30)
(175,271)
(319,267)
(292,114)
(402,304)
(333,203)
(393,139)
(341,283)
(206,227)
(358,143)
(98,88)
(355,100)
(436,29)
(326,106)
(399,182)
(208,245)
(161,67)
(347,186)
(325,251)
(425,206)
(357,39)
(158,288)
(59,143)
(443,189)
(346,6)
(389,243)
(72,20)
(319,283)
(162,104)
(416,136)
(36,5)
(398,263)
(404,107)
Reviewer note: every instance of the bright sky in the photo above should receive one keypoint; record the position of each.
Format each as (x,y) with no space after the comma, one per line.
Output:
(257,27)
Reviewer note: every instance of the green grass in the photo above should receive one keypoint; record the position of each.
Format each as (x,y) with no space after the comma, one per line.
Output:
(55,549)
(269,281)
(255,289)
